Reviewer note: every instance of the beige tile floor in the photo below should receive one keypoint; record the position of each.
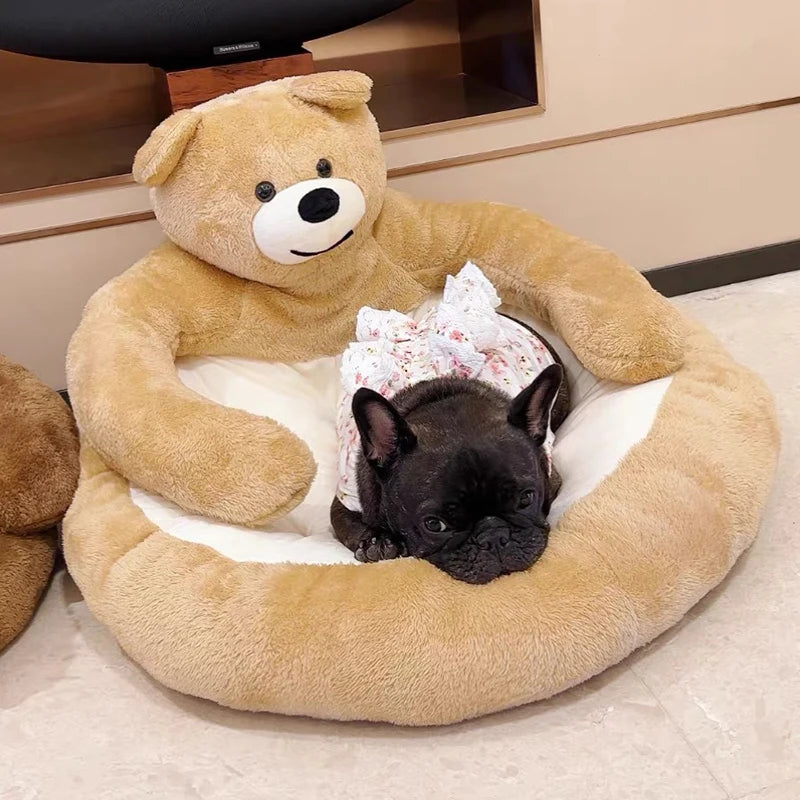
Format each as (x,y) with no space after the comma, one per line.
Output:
(710,710)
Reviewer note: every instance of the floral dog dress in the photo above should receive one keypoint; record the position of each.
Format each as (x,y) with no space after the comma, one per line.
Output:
(462,336)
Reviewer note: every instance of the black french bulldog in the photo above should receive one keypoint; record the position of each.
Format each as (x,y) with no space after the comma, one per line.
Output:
(453,471)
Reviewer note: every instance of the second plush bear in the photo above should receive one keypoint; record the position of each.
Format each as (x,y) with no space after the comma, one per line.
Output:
(38,475)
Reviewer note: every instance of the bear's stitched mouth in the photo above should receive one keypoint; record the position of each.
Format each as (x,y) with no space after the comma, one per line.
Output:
(320,252)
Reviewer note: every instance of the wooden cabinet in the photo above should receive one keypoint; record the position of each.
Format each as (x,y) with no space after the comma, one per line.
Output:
(435,63)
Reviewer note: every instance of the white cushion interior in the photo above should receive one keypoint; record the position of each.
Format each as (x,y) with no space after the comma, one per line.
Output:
(607,419)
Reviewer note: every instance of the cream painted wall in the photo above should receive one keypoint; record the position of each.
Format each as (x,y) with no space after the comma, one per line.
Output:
(68,208)
(44,284)
(656,198)
(612,63)
(423,23)
(608,64)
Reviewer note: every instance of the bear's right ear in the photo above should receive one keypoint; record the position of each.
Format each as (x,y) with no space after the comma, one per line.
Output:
(338,91)
(160,154)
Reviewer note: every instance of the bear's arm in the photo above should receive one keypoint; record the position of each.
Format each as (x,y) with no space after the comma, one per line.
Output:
(134,411)
(618,326)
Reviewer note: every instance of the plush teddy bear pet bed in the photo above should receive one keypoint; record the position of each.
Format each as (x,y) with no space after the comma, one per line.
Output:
(38,474)
(205,382)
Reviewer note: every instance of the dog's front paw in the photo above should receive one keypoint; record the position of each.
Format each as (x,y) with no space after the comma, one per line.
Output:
(379,548)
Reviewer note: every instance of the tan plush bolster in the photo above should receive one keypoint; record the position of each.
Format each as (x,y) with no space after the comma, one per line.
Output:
(605,311)
(131,406)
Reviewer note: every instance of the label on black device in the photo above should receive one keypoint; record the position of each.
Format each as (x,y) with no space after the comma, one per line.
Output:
(242,47)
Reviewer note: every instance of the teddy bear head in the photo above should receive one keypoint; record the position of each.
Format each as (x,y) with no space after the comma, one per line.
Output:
(278,183)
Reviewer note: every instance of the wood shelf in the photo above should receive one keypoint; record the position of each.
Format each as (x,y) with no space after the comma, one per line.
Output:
(449,100)
(70,157)
(435,63)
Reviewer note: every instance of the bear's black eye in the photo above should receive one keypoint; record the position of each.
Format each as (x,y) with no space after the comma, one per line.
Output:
(324,168)
(265,191)
(526,498)
(434,524)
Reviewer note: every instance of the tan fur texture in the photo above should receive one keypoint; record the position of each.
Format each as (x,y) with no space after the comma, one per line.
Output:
(38,476)
(160,154)
(334,90)
(396,641)
(213,292)
(25,566)
(402,642)
(38,452)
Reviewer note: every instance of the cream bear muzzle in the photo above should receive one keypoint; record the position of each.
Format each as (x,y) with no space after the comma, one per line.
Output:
(307,219)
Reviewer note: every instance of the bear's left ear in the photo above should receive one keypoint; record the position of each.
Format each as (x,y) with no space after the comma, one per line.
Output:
(335,90)
(160,154)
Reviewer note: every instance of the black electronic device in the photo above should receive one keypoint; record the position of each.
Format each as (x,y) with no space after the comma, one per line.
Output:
(176,34)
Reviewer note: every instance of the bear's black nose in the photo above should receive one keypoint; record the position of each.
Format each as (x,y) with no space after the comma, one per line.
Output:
(318,205)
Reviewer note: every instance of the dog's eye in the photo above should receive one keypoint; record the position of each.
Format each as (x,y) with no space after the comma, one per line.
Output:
(265,191)
(324,168)
(434,525)
(526,498)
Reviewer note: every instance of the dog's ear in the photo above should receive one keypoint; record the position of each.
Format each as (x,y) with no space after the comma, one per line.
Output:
(385,435)
(531,408)
(162,151)
(338,91)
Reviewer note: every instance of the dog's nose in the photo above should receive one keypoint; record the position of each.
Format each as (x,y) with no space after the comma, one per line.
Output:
(492,532)
(318,205)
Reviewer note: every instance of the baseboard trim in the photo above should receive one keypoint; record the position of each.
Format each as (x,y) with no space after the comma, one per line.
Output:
(77,227)
(721,270)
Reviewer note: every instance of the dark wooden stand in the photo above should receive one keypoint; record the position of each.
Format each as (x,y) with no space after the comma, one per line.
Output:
(188,87)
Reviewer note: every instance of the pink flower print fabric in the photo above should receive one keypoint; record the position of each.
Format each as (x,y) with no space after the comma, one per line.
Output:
(463,336)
